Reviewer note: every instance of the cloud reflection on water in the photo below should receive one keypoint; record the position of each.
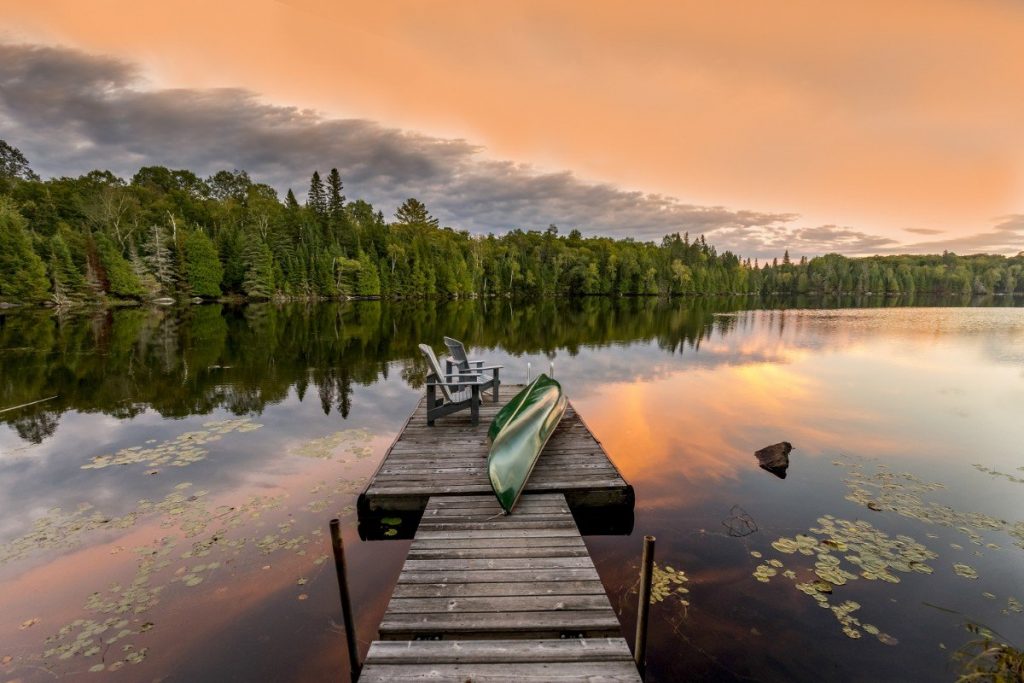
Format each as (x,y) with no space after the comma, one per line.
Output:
(680,393)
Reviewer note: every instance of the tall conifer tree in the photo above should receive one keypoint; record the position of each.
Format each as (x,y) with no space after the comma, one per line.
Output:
(335,199)
(316,200)
(22,272)
(202,265)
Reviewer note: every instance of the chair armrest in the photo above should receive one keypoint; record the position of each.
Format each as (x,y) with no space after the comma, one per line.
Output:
(457,374)
(488,367)
(462,380)
(477,363)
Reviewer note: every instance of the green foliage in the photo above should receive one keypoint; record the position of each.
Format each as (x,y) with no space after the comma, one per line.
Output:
(335,199)
(13,164)
(989,658)
(67,282)
(22,272)
(413,212)
(202,265)
(120,277)
(947,274)
(170,226)
(368,280)
(259,271)
(316,200)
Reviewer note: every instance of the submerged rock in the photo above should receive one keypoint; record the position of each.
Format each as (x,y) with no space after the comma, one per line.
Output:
(775,458)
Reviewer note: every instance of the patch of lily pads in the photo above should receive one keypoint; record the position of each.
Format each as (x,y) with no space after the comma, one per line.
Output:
(845,551)
(116,615)
(995,473)
(180,451)
(350,441)
(904,494)
(667,582)
(855,550)
(61,529)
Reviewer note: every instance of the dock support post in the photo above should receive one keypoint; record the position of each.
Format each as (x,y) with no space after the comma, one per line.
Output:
(646,570)
(346,603)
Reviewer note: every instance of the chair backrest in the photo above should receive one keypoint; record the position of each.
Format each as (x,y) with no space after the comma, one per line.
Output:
(457,351)
(435,369)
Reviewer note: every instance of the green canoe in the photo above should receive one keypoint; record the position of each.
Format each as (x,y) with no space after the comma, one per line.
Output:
(518,434)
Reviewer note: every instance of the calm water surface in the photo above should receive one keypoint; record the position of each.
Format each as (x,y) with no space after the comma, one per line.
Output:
(164,514)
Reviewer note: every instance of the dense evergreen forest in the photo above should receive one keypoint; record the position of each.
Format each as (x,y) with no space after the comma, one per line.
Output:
(170,233)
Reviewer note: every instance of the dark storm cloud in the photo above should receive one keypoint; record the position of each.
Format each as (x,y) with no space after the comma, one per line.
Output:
(72,112)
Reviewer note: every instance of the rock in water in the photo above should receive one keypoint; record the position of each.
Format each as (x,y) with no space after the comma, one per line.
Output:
(775,458)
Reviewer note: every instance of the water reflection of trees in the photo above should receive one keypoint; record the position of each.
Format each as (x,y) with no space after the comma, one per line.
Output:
(191,360)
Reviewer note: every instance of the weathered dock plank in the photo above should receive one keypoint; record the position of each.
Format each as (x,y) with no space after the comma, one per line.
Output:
(583,672)
(450,459)
(481,598)
(499,651)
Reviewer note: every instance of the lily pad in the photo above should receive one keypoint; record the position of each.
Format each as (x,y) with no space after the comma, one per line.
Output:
(965,571)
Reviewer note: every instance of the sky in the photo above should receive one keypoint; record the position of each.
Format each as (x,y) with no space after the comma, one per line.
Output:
(869,127)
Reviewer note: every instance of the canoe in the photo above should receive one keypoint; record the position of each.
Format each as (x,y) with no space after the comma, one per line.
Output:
(518,434)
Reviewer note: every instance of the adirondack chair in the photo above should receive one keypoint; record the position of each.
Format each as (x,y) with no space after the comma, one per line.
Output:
(458,359)
(459,390)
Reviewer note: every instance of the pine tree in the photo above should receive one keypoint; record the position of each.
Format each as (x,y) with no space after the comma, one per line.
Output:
(414,212)
(121,280)
(203,270)
(259,271)
(68,283)
(290,201)
(22,272)
(316,200)
(232,256)
(335,199)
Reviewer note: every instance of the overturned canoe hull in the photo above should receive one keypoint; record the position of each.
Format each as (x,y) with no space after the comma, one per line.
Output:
(518,435)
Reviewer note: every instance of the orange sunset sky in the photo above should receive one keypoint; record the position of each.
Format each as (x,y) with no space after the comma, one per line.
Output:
(868,127)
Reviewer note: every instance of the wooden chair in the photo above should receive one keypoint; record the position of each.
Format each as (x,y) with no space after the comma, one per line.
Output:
(459,390)
(458,359)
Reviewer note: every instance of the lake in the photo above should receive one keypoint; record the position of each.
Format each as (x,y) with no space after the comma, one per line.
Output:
(165,506)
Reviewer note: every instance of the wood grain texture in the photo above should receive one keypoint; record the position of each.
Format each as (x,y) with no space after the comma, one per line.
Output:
(450,459)
(484,596)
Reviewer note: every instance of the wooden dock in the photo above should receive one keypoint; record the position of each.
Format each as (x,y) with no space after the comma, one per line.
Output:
(486,597)
(451,459)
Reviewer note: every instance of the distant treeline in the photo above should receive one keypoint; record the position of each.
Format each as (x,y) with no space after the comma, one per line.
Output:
(170,233)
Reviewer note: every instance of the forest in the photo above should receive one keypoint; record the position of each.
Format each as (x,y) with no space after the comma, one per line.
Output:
(168,233)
